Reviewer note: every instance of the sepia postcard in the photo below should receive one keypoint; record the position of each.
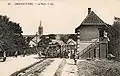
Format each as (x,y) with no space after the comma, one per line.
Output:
(59,38)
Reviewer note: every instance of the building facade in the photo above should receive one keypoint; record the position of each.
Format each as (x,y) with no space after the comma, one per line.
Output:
(34,41)
(92,27)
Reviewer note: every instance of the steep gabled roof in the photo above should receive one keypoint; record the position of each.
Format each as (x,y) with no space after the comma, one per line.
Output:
(71,41)
(92,19)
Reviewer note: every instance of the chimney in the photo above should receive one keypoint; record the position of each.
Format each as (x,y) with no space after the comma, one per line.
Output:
(89,10)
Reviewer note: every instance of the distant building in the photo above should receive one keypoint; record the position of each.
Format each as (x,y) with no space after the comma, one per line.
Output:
(71,46)
(34,41)
(36,37)
(71,42)
(40,29)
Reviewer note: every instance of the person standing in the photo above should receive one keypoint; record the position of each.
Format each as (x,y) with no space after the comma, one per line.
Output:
(75,59)
(16,53)
(24,53)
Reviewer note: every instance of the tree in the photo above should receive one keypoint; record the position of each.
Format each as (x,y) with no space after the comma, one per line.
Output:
(64,38)
(43,43)
(52,36)
(11,35)
(73,36)
(114,36)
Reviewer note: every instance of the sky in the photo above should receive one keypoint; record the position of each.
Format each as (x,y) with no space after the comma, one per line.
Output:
(63,16)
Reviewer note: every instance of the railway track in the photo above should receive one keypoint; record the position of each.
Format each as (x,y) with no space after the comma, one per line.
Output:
(34,70)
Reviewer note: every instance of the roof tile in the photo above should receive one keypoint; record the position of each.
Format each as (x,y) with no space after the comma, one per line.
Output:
(92,19)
